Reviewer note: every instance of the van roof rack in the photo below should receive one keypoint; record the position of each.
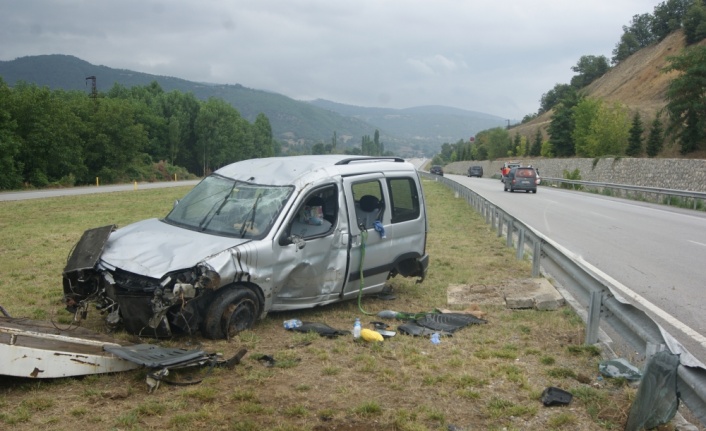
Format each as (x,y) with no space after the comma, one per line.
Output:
(367,159)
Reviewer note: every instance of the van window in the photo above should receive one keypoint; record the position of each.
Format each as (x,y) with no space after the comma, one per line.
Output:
(405,199)
(369,202)
(317,215)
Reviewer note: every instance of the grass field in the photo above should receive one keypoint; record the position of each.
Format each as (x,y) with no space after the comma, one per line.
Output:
(485,377)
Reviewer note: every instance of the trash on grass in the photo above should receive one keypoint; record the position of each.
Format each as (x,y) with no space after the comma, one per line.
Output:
(619,367)
(657,399)
(320,328)
(370,335)
(554,396)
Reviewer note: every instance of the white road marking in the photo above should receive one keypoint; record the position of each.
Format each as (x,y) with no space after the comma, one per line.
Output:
(688,331)
(697,243)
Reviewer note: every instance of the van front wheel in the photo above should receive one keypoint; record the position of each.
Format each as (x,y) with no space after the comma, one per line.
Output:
(233,309)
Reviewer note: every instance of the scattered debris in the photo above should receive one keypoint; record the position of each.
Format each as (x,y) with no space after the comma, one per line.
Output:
(657,399)
(320,328)
(266,360)
(619,367)
(553,396)
(370,335)
(37,349)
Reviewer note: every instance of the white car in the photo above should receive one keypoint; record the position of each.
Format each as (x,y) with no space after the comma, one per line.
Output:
(256,236)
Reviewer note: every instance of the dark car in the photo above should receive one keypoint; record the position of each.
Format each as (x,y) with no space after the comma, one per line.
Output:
(475,171)
(437,170)
(521,178)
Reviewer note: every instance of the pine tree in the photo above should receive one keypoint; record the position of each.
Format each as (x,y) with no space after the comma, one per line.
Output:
(635,139)
(656,138)
(536,149)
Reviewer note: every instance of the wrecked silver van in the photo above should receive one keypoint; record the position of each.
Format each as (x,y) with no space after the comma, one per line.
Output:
(255,236)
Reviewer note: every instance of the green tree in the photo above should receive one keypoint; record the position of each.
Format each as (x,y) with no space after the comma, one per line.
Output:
(318,148)
(600,129)
(635,140)
(536,149)
(116,142)
(686,97)
(552,97)
(223,136)
(499,143)
(10,166)
(517,147)
(561,127)
(589,68)
(668,17)
(656,137)
(262,135)
(635,37)
(48,134)
(695,22)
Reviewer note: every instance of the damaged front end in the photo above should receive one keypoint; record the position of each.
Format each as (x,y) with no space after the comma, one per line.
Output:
(144,305)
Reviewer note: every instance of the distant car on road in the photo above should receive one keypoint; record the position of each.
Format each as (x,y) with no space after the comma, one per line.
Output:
(437,170)
(521,178)
(507,166)
(475,171)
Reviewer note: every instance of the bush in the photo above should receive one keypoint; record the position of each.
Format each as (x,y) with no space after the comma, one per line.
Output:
(575,175)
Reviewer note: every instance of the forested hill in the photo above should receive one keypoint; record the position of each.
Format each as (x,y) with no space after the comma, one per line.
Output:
(408,132)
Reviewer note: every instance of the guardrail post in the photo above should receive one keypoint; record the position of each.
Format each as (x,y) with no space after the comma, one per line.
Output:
(510,227)
(594,315)
(536,255)
(520,243)
(500,225)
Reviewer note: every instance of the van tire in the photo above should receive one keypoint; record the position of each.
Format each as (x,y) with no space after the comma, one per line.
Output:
(233,309)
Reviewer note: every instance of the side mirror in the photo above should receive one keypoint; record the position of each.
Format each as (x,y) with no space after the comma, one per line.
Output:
(293,239)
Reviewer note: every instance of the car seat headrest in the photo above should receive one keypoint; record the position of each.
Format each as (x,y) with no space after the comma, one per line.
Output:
(369,203)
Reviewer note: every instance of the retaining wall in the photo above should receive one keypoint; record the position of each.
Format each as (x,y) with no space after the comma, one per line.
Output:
(677,174)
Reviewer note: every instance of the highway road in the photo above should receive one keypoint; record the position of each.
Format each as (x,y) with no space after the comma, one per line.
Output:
(74,191)
(659,252)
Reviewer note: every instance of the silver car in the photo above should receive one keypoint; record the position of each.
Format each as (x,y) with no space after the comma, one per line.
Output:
(255,236)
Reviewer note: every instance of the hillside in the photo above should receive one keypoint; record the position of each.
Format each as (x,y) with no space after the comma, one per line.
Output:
(409,132)
(638,82)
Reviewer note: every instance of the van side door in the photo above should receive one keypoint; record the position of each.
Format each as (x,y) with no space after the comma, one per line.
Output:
(367,203)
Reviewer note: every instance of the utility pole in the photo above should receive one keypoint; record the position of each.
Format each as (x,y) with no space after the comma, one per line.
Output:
(94,91)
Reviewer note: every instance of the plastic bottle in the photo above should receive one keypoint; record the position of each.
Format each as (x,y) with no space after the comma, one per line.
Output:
(292,323)
(435,338)
(356,328)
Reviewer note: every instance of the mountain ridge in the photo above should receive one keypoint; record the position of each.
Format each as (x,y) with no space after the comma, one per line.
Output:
(416,131)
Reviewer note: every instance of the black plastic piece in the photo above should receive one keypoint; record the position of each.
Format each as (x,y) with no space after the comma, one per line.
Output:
(554,397)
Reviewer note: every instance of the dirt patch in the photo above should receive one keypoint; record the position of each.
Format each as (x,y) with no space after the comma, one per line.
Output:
(516,294)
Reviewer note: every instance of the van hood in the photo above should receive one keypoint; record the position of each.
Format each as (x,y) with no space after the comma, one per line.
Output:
(153,248)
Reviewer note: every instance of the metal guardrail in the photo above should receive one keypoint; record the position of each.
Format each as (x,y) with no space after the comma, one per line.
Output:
(644,191)
(593,293)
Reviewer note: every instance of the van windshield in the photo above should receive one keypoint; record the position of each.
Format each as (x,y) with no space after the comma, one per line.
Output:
(222,206)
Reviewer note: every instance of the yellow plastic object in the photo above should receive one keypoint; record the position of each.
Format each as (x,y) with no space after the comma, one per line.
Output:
(369,335)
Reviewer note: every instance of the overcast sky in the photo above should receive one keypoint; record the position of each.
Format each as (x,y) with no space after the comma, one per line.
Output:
(495,57)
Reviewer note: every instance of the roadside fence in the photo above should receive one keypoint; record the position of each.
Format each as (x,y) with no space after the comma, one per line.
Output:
(597,297)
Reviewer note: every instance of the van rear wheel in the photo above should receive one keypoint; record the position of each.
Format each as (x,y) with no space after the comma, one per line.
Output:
(233,309)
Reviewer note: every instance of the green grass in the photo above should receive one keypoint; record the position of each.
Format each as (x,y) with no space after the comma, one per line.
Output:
(484,377)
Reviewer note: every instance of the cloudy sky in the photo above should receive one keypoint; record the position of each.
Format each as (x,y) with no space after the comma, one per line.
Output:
(496,57)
